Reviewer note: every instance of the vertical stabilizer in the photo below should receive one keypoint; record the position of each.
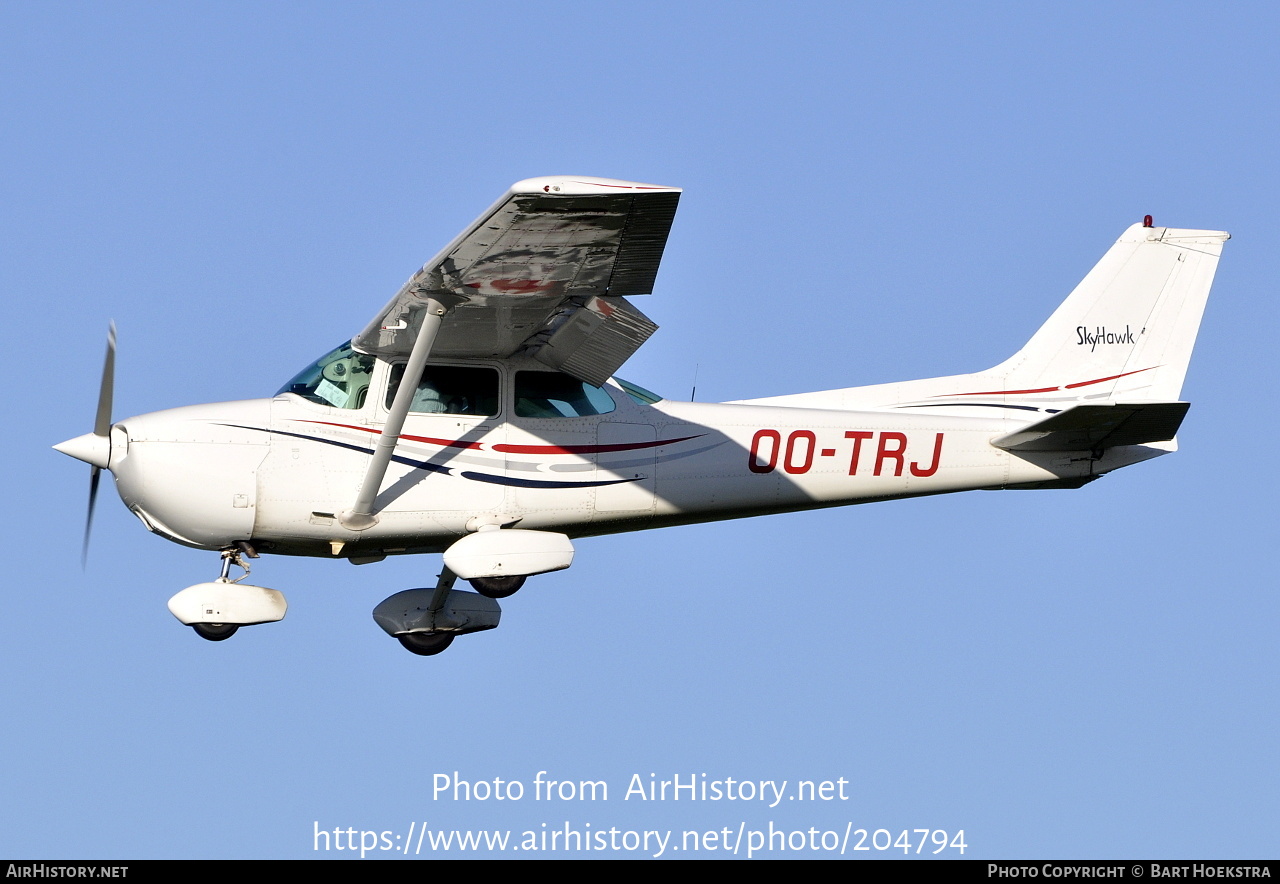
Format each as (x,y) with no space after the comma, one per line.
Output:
(1127,330)
(1125,334)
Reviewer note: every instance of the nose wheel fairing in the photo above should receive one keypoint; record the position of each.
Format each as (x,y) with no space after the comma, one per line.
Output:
(222,601)
(216,610)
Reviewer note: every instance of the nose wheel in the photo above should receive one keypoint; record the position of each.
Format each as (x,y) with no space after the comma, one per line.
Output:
(215,632)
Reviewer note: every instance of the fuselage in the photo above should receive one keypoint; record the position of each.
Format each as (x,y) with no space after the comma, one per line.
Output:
(479,415)
(278,472)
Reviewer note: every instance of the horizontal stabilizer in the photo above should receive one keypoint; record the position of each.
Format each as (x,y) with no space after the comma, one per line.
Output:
(1095,427)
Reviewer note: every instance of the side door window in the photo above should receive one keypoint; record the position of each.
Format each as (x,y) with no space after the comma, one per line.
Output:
(450,389)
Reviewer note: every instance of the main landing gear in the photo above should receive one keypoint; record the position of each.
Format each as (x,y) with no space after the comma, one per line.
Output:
(497,587)
(495,561)
(426,621)
(426,644)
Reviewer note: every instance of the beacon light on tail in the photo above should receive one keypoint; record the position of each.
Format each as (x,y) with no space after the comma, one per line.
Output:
(479,416)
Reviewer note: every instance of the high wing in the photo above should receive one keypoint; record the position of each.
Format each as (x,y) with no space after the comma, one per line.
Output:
(544,271)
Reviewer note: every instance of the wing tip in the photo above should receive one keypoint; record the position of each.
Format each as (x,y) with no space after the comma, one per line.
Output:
(581,185)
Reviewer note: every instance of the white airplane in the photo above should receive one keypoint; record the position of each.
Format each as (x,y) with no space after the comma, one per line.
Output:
(516,435)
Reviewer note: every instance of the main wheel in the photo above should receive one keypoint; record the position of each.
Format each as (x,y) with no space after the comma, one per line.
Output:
(426,644)
(497,587)
(215,632)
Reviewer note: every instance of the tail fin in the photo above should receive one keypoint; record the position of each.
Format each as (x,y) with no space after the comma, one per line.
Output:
(1124,334)
(1127,331)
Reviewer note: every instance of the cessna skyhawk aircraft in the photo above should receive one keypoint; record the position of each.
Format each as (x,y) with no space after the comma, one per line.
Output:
(478,415)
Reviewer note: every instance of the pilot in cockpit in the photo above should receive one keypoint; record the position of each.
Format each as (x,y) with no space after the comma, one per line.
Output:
(428,400)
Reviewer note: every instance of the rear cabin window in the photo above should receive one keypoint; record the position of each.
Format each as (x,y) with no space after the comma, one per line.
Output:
(450,389)
(638,393)
(552,394)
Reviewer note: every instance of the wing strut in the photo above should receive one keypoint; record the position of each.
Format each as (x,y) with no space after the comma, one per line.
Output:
(361,515)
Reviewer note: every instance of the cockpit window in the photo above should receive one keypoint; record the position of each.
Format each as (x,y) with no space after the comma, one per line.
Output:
(638,393)
(552,394)
(450,389)
(339,378)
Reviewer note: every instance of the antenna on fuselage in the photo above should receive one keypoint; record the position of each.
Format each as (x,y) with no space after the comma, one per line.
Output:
(694,391)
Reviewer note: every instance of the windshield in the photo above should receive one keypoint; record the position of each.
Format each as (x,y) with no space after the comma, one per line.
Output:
(339,378)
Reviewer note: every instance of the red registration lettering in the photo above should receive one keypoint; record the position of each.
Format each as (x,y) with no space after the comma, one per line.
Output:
(937,459)
(857,436)
(755,461)
(789,463)
(884,452)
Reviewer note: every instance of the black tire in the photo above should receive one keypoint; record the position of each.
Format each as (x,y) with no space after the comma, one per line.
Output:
(497,587)
(426,644)
(215,632)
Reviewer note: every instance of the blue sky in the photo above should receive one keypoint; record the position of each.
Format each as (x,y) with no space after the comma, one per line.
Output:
(872,193)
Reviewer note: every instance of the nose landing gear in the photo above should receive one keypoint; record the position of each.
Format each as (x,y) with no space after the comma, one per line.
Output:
(217,610)
(220,632)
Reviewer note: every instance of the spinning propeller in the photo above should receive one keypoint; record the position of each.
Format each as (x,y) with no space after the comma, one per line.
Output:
(95,448)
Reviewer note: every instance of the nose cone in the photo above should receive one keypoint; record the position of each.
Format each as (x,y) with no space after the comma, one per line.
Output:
(191,473)
(90,448)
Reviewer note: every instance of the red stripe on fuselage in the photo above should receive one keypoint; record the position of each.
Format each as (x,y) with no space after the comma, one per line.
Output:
(1102,380)
(1001,392)
(586,449)
(518,449)
(1048,389)
(446,443)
